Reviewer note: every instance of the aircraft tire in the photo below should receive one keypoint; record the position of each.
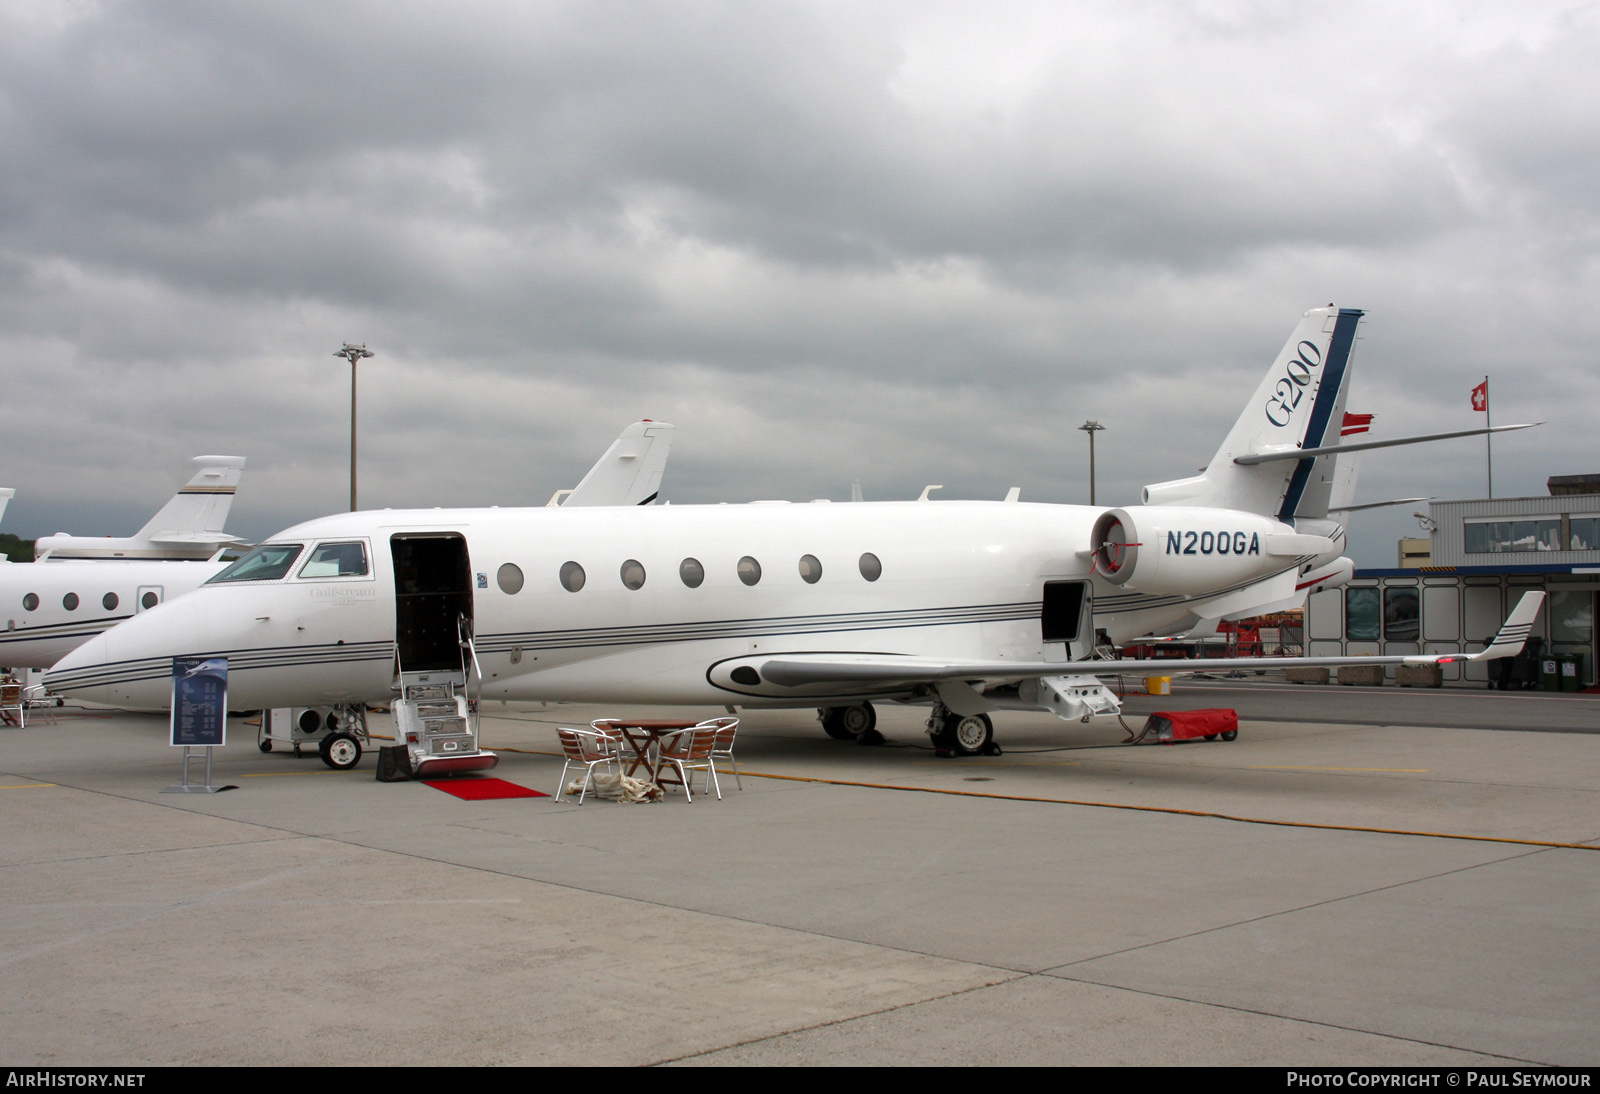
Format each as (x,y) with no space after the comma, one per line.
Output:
(849,723)
(340,751)
(965,734)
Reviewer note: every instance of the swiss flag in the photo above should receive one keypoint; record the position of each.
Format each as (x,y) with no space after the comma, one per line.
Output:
(1480,396)
(1355,423)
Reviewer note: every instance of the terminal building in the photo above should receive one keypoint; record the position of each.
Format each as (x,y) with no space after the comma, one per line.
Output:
(1481,556)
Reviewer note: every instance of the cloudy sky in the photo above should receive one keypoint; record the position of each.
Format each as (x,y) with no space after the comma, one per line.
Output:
(904,243)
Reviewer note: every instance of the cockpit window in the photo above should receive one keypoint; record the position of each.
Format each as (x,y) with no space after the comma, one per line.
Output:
(336,560)
(268,562)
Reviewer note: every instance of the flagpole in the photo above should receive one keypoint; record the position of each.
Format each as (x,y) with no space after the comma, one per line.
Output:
(1488,438)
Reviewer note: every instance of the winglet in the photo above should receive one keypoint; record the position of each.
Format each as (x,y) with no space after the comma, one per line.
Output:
(1513,635)
(1515,630)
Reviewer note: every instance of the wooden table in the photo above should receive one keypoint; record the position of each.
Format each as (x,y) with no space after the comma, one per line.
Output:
(644,737)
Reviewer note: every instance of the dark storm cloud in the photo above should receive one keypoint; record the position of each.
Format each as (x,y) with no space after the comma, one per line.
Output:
(898,242)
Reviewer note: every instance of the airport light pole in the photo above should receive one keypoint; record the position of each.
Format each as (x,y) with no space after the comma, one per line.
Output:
(353,353)
(1091,428)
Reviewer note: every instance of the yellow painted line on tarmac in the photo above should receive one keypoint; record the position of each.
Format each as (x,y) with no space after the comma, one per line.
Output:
(1391,770)
(1182,812)
(28,786)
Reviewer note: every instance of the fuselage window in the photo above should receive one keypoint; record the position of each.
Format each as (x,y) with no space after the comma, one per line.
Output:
(336,560)
(268,562)
(109,602)
(749,570)
(871,568)
(810,569)
(31,602)
(633,574)
(692,572)
(149,600)
(571,576)
(70,602)
(509,578)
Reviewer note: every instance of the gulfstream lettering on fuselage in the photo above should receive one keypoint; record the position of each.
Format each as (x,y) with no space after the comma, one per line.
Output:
(1213,543)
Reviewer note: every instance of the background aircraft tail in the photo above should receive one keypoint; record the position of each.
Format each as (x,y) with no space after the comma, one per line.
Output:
(188,526)
(1298,405)
(200,508)
(629,473)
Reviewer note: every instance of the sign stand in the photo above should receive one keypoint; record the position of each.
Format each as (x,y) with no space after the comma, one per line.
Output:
(199,715)
(186,787)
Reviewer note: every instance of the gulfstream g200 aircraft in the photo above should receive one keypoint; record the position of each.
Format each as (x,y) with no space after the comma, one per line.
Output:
(976,606)
(89,584)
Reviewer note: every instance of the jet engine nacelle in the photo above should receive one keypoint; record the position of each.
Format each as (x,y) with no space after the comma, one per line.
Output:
(1182,550)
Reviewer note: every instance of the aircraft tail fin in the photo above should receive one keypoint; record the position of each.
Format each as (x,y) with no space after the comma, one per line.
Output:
(200,508)
(630,471)
(1298,405)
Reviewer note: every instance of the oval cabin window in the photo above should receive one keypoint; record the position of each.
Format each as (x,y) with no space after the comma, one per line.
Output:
(509,578)
(572,576)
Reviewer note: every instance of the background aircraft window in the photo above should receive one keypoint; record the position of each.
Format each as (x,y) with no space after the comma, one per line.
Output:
(268,562)
(31,602)
(871,568)
(149,600)
(336,560)
(509,578)
(749,570)
(70,602)
(810,569)
(109,602)
(571,576)
(633,574)
(692,572)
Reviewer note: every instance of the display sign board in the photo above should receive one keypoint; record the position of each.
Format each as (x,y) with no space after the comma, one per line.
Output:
(199,701)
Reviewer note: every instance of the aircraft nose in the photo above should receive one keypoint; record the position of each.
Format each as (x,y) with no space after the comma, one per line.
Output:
(115,667)
(77,673)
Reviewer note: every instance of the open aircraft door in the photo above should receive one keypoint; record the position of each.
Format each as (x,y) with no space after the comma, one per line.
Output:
(1066,614)
(436,666)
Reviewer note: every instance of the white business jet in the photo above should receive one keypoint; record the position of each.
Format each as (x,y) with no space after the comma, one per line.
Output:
(87,584)
(80,585)
(973,606)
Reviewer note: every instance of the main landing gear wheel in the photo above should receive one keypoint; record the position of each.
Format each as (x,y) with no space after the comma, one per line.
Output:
(965,734)
(848,723)
(340,751)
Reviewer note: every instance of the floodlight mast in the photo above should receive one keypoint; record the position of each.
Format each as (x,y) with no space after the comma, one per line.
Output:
(353,353)
(1091,428)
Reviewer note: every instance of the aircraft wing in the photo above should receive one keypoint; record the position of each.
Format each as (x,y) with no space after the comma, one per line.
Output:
(847,674)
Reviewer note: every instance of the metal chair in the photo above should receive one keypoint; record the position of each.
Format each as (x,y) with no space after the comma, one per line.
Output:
(686,751)
(35,698)
(724,730)
(589,748)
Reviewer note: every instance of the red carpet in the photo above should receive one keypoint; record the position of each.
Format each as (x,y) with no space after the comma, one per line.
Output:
(482,789)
